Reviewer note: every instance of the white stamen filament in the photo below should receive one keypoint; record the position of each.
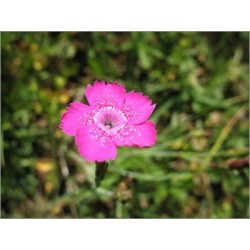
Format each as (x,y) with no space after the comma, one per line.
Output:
(110,119)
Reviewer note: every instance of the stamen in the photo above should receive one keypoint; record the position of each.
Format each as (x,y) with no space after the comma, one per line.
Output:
(110,119)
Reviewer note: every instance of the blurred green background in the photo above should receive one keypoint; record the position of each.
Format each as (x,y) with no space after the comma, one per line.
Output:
(197,169)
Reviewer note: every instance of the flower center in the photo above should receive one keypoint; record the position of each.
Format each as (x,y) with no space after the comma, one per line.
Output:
(109,124)
(110,119)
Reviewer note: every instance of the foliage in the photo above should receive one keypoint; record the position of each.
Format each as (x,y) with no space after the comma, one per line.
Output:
(199,166)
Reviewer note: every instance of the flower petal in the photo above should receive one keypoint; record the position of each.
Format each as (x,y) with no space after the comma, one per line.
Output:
(94,144)
(102,94)
(143,135)
(137,107)
(77,114)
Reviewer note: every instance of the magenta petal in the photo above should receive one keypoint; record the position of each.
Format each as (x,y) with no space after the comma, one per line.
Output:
(137,107)
(94,144)
(75,116)
(143,135)
(102,94)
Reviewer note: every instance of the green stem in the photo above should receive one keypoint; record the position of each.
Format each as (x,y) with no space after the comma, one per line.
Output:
(118,208)
(101,169)
(223,136)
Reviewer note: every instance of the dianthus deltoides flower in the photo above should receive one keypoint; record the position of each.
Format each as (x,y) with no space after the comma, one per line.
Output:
(112,118)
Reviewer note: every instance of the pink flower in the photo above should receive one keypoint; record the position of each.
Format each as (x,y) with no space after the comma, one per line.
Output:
(112,118)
